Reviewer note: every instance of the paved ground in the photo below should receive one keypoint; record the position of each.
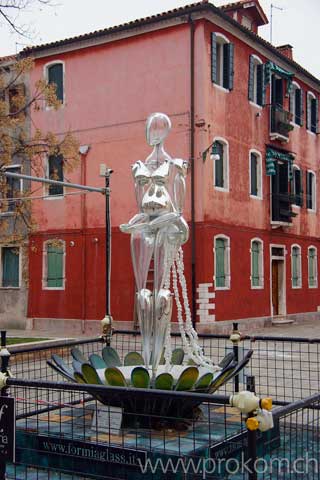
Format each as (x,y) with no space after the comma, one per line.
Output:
(309,329)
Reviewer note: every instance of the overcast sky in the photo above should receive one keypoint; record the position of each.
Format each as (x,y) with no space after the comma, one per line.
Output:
(298,23)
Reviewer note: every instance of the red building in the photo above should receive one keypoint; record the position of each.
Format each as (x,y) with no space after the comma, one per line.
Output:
(244,113)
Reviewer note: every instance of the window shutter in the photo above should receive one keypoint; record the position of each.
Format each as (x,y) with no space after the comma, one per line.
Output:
(218,166)
(10,267)
(297,106)
(214,58)
(301,188)
(54,266)
(307,112)
(56,173)
(253,166)
(251,79)
(55,75)
(220,249)
(301,107)
(295,254)
(228,61)
(255,264)
(298,199)
(316,115)
(260,85)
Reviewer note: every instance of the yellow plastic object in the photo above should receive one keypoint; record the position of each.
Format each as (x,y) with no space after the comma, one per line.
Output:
(266,403)
(252,423)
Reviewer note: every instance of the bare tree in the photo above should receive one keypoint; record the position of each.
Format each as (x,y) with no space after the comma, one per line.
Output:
(10,13)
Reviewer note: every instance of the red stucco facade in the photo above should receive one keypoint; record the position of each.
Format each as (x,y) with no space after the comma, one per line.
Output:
(110,89)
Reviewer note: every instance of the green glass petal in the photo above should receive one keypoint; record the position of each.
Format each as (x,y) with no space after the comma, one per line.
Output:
(78,355)
(79,378)
(97,361)
(204,381)
(90,375)
(221,377)
(111,357)
(60,371)
(133,358)
(177,356)
(76,366)
(226,360)
(187,379)
(164,381)
(115,377)
(140,377)
(62,364)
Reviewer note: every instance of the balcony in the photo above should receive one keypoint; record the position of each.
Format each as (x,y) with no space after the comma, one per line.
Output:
(282,208)
(280,123)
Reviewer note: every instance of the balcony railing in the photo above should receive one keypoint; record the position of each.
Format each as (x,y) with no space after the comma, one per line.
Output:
(282,207)
(280,123)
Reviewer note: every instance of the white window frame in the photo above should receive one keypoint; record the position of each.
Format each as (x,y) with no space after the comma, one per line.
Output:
(260,265)
(314,192)
(225,144)
(227,264)
(46,186)
(310,96)
(312,247)
(46,76)
(299,267)
(11,167)
(258,154)
(45,264)
(292,100)
(257,61)
(221,40)
(18,247)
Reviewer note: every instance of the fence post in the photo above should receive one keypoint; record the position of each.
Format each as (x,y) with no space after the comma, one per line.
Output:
(235,338)
(252,436)
(5,356)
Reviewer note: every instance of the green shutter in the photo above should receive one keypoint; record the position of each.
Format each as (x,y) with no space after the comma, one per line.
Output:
(54,266)
(10,267)
(218,166)
(228,60)
(55,76)
(295,273)
(214,58)
(255,253)
(254,175)
(220,250)
(312,270)
(251,79)
(260,85)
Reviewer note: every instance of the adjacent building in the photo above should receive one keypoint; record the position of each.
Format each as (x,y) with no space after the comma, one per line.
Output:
(244,114)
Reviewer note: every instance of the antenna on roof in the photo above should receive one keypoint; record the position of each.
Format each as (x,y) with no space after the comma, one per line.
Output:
(272,7)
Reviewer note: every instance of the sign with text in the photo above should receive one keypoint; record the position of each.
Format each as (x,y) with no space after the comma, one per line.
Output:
(7,429)
(107,420)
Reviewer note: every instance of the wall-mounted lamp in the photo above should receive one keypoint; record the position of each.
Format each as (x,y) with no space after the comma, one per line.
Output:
(214,154)
(258,114)
(84,149)
(72,244)
(95,240)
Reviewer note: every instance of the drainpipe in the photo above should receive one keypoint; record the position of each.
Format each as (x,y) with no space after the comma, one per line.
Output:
(192,129)
(83,150)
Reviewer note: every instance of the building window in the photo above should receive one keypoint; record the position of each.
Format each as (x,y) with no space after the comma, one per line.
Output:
(220,156)
(54,265)
(296,278)
(10,267)
(312,112)
(256,263)
(256,87)
(11,189)
(312,267)
(55,76)
(17,100)
(311,190)
(255,174)
(296,187)
(296,104)
(222,59)
(222,262)
(55,172)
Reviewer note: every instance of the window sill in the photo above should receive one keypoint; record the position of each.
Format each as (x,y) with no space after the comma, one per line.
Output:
(296,207)
(221,189)
(220,87)
(52,109)
(316,286)
(310,132)
(54,197)
(7,214)
(295,125)
(311,210)
(257,288)
(222,288)
(296,288)
(276,223)
(53,288)
(256,105)
(10,288)
(256,197)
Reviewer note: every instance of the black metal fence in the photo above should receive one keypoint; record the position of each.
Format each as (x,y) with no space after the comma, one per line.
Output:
(64,433)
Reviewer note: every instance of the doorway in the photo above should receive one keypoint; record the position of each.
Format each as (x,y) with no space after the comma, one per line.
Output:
(278,290)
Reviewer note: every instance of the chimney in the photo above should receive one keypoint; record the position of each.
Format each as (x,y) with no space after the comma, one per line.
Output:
(286,50)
